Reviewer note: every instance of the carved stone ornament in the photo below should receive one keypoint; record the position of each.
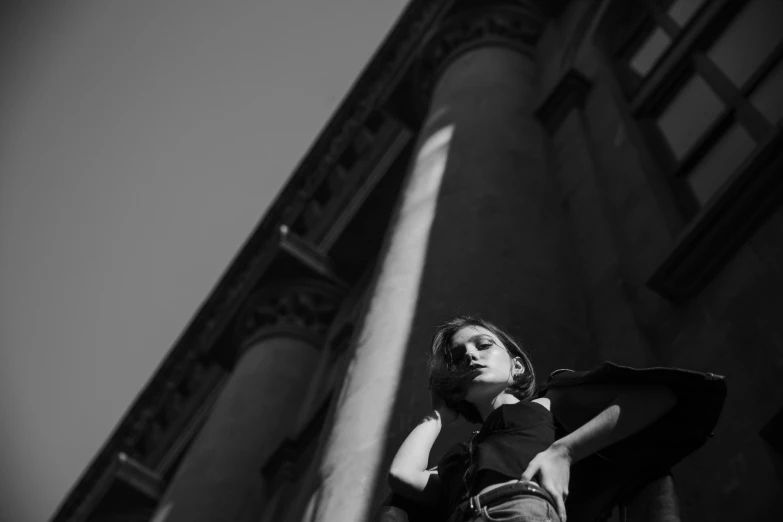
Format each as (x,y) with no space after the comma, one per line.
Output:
(304,308)
(512,24)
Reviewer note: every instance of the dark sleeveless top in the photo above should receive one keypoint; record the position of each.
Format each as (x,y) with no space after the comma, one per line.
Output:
(510,437)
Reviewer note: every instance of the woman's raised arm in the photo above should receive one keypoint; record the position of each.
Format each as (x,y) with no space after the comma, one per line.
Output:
(408,475)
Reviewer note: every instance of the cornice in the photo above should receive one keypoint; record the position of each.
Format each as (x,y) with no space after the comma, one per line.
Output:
(379,78)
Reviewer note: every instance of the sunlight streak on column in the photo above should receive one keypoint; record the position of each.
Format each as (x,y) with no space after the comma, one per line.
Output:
(357,443)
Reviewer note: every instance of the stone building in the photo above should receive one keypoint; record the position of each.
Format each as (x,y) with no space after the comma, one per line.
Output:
(601,177)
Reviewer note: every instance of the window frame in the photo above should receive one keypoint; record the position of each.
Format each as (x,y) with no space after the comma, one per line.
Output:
(712,232)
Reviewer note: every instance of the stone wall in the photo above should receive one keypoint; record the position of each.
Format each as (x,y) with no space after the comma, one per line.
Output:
(624,228)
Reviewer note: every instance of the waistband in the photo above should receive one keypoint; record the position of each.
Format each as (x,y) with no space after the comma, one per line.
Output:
(472,507)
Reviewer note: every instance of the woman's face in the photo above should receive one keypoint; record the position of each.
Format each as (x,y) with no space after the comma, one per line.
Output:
(494,369)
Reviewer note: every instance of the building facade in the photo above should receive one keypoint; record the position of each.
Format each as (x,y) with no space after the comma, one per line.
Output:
(603,178)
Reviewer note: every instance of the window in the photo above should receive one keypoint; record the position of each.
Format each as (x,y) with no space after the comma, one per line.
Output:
(748,40)
(704,82)
(642,54)
(688,115)
(704,75)
(717,165)
(767,97)
(650,51)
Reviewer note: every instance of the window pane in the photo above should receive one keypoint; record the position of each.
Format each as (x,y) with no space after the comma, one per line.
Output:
(688,115)
(720,162)
(683,10)
(749,39)
(768,97)
(650,52)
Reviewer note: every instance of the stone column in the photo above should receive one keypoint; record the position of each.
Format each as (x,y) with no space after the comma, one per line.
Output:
(280,333)
(479,229)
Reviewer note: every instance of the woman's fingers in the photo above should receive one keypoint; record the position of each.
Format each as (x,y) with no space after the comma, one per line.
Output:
(558,495)
(553,478)
(561,512)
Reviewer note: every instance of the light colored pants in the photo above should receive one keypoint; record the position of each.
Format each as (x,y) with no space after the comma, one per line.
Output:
(522,508)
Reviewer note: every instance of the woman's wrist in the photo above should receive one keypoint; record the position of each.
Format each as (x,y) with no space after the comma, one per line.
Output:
(563,450)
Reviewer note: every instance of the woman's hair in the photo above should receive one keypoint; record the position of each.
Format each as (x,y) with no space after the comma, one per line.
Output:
(447,376)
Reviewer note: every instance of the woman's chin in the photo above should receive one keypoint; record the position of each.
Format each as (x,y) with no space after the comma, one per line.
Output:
(482,390)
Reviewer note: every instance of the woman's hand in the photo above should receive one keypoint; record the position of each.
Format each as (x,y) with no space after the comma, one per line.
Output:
(447,415)
(551,469)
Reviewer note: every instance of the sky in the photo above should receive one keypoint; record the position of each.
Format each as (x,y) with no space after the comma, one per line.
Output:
(140,144)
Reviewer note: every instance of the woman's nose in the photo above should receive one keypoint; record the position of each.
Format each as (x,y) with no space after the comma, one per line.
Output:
(471,353)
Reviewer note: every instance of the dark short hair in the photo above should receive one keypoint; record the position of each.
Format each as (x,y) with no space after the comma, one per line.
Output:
(447,377)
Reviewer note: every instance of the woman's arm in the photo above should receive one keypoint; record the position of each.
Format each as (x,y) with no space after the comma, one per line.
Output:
(629,411)
(408,475)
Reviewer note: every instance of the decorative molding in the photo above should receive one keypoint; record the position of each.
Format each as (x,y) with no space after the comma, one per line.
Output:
(512,24)
(303,308)
(123,468)
(569,93)
(168,456)
(723,226)
(346,188)
(168,401)
(155,428)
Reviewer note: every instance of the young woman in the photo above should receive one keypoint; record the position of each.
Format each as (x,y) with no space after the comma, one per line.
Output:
(514,467)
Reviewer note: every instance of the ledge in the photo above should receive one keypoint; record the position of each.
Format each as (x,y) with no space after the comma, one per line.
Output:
(139,477)
(723,226)
(309,256)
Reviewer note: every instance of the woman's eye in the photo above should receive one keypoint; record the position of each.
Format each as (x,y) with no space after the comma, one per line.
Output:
(485,345)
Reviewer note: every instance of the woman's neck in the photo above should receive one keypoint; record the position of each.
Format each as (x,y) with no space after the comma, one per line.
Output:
(486,407)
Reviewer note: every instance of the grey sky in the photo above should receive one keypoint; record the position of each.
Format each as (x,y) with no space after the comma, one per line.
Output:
(140,143)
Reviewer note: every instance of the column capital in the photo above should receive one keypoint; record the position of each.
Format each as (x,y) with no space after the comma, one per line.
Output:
(514,24)
(301,308)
